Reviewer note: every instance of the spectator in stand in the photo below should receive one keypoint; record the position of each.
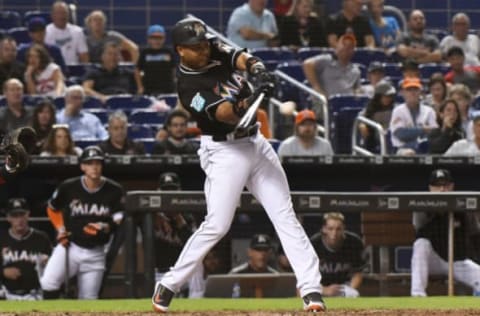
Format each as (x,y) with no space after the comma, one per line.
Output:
(82,124)
(319,70)
(109,79)
(42,122)
(15,114)
(416,44)
(375,75)
(118,142)
(379,110)
(68,37)
(211,264)
(252,25)
(36,31)
(306,141)
(171,230)
(410,69)
(411,121)
(430,249)
(10,67)
(463,96)
(155,61)
(176,143)
(350,21)
(43,77)
(97,36)
(460,73)
(385,28)
(60,143)
(469,43)
(467,147)
(301,27)
(449,128)
(341,257)
(259,253)
(25,252)
(437,86)
(281,8)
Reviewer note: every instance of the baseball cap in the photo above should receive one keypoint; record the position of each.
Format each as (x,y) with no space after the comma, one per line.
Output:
(440,175)
(261,242)
(169,181)
(304,115)
(385,88)
(17,206)
(156,30)
(92,153)
(411,82)
(376,66)
(36,24)
(348,37)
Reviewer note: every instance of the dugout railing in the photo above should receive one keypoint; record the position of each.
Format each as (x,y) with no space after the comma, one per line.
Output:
(144,203)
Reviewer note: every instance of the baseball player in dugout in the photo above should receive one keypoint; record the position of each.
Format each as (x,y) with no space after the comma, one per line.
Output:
(259,253)
(233,155)
(341,257)
(430,249)
(25,252)
(85,211)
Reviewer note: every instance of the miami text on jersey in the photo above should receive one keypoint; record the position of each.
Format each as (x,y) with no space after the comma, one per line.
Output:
(79,208)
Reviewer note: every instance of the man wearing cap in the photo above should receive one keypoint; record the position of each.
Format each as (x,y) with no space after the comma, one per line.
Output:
(376,73)
(415,44)
(25,252)
(430,249)
(259,253)
(411,121)
(85,211)
(36,31)
(252,25)
(341,256)
(306,141)
(350,21)
(328,75)
(155,61)
(467,147)
(10,67)
(460,73)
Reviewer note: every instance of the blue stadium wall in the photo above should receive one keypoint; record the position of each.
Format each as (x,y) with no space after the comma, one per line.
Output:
(132,17)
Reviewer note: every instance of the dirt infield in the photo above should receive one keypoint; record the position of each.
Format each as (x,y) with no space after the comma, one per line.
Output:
(336,312)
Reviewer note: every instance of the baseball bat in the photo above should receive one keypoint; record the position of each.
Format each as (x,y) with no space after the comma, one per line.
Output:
(450,252)
(67,273)
(246,119)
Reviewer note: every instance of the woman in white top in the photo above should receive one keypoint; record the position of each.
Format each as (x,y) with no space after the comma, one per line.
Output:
(43,77)
(60,143)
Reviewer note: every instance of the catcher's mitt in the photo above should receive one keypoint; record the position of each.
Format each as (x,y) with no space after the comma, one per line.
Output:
(17,145)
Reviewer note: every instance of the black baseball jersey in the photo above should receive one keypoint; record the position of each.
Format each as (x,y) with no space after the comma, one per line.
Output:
(338,266)
(201,91)
(25,254)
(81,206)
(436,230)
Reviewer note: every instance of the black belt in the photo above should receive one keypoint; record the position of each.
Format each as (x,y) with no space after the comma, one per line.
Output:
(251,131)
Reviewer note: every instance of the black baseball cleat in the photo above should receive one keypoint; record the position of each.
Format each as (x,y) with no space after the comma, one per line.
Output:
(313,302)
(161,298)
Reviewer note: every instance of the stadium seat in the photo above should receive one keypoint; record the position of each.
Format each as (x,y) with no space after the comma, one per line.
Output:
(475,106)
(438,33)
(363,70)
(147,116)
(10,19)
(33,14)
(293,69)
(426,70)
(307,52)
(393,70)
(147,144)
(78,70)
(139,131)
(93,103)
(365,56)
(340,101)
(170,98)
(278,54)
(275,143)
(128,102)
(20,34)
(59,103)
(102,114)
(341,129)
(82,143)
(32,100)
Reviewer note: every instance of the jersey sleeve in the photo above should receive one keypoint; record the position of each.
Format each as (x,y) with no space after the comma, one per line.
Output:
(59,198)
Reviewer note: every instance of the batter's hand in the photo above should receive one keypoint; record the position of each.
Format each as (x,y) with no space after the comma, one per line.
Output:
(92,229)
(63,238)
(11,273)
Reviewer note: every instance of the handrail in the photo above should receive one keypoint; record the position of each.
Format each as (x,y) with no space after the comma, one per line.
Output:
(323,101)
(379,129)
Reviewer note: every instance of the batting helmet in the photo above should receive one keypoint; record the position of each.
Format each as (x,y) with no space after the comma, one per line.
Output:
(92,153)
(169,181)
(189,31)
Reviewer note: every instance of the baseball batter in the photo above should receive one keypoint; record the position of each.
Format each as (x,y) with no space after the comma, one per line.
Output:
(82,211)
(212,88)
(24,253)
